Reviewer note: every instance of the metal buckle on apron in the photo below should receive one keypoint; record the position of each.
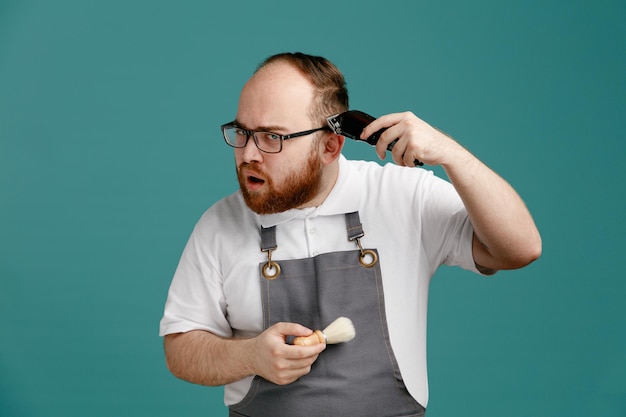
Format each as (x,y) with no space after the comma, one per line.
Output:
(368,257)
(271,270)
(365,255)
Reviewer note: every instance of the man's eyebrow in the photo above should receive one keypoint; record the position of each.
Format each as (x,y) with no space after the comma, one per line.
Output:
(271,128)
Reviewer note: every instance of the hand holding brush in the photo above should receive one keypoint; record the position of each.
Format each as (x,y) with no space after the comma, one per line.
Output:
(339,331)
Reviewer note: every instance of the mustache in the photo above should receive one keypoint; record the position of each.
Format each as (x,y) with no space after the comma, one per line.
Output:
(251,168)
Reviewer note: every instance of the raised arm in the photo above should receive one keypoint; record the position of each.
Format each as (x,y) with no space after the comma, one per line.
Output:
(505,235)
(203,358)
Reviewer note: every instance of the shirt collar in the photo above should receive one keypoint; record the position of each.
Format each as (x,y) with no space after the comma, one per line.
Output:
(343,198)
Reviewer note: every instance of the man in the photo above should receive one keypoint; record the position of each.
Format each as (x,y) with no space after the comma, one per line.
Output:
(284,255)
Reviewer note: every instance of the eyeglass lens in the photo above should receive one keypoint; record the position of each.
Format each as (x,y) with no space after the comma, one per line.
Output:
(265,141)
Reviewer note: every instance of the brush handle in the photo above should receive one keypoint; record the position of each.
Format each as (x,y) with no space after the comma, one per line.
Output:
(314,339)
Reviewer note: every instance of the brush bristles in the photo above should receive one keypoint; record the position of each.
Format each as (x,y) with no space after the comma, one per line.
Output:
(339,331)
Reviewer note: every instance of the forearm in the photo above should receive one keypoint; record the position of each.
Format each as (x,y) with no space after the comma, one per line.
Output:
(506,235)
(203,358)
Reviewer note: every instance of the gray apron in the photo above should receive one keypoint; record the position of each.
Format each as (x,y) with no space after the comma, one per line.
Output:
(358,378)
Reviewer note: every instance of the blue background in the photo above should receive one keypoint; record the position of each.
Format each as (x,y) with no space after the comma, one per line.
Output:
(110,151)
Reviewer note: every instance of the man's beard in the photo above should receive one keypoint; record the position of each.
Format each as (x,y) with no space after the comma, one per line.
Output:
(296,190)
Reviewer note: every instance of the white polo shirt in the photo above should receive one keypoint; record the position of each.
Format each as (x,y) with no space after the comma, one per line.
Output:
(415,220)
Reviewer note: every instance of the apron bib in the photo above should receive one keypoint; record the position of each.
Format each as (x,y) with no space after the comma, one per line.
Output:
(358,378)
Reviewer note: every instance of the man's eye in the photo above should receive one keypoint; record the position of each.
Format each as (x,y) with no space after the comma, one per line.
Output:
(270,135)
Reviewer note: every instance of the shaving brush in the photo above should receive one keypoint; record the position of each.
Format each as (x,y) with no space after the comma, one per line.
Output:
(339,331)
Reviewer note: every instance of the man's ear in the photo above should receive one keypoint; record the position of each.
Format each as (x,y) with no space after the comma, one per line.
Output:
(330,147)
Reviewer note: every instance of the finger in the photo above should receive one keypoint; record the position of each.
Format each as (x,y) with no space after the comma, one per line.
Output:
(383,144)
(288,376)
(297,352)
(387,121)
(285,371)
(392,135)
(290,329)
(407,155)
(301,366)
(380,123)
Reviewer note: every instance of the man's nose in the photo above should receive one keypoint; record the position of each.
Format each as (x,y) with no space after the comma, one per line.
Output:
(250,152)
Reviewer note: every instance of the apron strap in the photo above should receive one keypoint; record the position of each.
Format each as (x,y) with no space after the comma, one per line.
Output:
(368,257)
(268,238)
(353,224)
(270,270)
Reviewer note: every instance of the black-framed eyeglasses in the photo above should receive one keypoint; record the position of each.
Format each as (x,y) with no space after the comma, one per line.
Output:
(268,142)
